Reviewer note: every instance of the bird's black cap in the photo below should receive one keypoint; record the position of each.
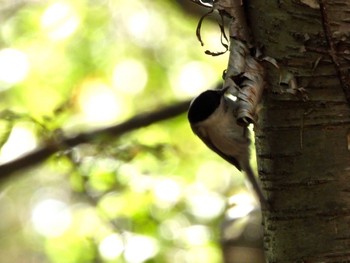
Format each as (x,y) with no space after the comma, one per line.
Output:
(204,105)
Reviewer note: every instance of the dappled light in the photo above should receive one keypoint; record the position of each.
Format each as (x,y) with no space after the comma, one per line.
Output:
(139,248)
(111,247)
(99,103)
(241,205)
(130,76)
(215,176)
(141,26)
(195,235)
(20,141)
(151,194)
(59,20)
(167,192)
(51,217)
(14,67)
(205,204)
(192,78)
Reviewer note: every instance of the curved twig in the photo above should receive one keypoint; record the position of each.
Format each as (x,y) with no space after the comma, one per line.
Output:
(201,3)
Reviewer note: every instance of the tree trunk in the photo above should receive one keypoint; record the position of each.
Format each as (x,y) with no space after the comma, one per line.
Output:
(302,146)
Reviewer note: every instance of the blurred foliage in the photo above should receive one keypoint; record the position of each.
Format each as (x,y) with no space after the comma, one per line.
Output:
(154,195)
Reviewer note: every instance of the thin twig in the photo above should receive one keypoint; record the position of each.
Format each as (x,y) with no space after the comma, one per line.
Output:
(198,2)
(141,120)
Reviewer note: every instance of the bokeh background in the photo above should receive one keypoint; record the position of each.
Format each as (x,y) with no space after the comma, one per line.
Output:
(155,194)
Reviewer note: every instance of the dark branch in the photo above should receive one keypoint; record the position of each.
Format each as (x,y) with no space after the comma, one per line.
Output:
(136,122)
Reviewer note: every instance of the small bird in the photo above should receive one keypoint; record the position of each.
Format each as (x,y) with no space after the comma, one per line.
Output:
(212,119)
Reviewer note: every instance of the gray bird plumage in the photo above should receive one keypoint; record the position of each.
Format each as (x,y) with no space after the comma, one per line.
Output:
(212,119)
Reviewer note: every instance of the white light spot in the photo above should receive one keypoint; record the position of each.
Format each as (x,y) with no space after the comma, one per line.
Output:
(196,235)
(111,247)
(99,103)
(170,229)
(193,77)
(241,198)
(221,182)
(139,23)
(205,205)
(168,191)
(145,26)
(20,141)
(14,66)
(239,211)
(243,204)
(59,20)
(51,217)
(130,76)
(140,248)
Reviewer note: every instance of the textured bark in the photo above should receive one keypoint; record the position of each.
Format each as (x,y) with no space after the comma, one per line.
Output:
(302,146)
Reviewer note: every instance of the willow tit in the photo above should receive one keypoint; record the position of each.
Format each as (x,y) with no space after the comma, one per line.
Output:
(212,119)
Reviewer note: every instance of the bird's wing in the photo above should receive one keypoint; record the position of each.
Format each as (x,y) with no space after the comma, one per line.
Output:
(205,138)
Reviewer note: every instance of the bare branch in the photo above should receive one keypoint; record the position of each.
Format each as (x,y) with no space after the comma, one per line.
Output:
(41,154)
